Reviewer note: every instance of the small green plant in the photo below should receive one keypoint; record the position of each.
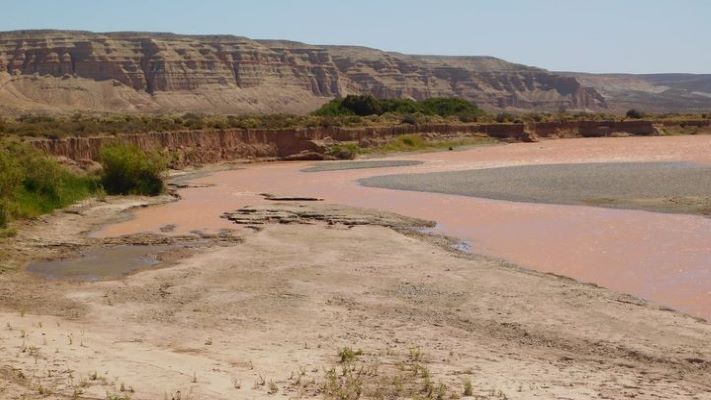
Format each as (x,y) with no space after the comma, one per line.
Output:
(348,386)
(468,389)
(409,119)
(117,397)
(347,355)
(415,354)
(344,151)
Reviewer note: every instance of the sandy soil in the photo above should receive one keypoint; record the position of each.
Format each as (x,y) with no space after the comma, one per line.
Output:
(265,316)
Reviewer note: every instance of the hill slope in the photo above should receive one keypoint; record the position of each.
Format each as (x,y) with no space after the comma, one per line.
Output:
(64,71)
(651,92)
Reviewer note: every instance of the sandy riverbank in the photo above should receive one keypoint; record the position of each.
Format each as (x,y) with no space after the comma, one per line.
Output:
(661,257)
(269,311)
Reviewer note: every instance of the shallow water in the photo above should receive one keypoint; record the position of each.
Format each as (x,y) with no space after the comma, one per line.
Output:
(101,263)
(665,258)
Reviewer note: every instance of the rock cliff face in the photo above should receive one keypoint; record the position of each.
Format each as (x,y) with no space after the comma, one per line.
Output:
(209,146)
(651,92)
(66,71)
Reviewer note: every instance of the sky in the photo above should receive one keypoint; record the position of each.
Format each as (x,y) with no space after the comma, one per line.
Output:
(634,36)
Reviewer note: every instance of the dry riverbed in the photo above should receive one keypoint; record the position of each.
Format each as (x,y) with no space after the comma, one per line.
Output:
(266,311)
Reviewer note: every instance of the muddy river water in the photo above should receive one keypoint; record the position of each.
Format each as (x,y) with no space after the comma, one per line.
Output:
(661,257)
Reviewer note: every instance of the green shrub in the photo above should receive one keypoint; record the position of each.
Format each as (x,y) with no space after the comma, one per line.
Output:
(409,119)
(634,114)
(4,213)
(468,389)
(130,170)
(32,184)
(448,106)
(347,354)
(10,174)
(364,105)
(504,117)
(468,117)
(344,151)
(411,140)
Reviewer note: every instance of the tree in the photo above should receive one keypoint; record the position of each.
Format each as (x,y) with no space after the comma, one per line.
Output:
(362,105)
(634,114)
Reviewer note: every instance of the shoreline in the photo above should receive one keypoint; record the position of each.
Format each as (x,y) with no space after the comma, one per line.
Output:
(480,310)
(591,244)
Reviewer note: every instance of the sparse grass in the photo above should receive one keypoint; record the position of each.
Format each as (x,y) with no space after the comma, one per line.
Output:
(117,397)
(344,151)
(468,388)
(273,388)
(415,354)
(347,354)
(370,377)
(392,112)
(348,386)
(408,143)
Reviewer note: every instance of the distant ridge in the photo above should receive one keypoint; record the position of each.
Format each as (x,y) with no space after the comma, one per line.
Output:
(65,71)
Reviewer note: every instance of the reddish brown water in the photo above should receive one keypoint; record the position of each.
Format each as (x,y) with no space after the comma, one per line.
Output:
(665,258)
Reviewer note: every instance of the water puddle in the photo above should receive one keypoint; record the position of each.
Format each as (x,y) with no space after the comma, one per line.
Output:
(101,263)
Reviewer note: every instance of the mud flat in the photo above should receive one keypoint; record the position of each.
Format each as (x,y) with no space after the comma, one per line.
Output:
(270,314)
(654,186)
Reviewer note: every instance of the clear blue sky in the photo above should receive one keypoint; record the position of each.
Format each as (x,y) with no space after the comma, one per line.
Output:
(640,36)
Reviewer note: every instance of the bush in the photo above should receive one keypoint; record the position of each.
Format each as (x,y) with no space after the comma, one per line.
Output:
(344,151)
(504,117)
(468,117)
(634,114)
(4,213)
(32,184)
(409,119)
(448,106)
(130,170)
(10,174)
(364,105)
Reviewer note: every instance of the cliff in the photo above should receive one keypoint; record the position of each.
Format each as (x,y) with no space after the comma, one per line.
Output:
(62,71)
(209,146)
(658,93)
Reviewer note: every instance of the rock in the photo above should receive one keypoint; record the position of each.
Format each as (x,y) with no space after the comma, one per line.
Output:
(166,72)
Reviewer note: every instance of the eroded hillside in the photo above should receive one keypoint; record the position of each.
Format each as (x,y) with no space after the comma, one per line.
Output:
(65,71)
